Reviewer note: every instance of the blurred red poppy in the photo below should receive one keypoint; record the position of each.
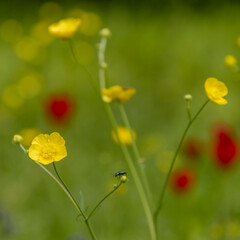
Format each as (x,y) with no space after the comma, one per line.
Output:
(60,107)
(182,180)
(192,148)
(225,148)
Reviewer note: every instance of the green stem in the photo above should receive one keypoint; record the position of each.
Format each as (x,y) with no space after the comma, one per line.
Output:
(134,172)
(90,78)
(136,152)
(63,186)
(189,111)
(73,201)
(142,193)
(101,56)
(100,202)
(173,161)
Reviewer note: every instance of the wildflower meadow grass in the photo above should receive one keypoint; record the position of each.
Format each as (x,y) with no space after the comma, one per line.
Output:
(119,121)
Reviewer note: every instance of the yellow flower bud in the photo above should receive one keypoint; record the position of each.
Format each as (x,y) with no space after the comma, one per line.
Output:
(188,97)
(17,139)
(123,179)
(230,61)
(105,32)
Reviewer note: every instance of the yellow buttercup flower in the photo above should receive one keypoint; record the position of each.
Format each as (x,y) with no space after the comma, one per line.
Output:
(124,135)
(48,148)
(216,90)
(117,93)
(230,61)
(65,28)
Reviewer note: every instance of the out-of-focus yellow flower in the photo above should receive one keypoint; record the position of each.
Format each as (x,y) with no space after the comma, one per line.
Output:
(48,148)
(217,231)
(65,28)
(216,90)
(28,134)
(230,61)
(117,93)
(124,135)
(30,85)
(238,41)
(11,96)
(40,33)
(27,49)
(233,229)
(91,22)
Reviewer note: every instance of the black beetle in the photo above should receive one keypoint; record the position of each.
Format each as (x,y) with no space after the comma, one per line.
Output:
(120,173)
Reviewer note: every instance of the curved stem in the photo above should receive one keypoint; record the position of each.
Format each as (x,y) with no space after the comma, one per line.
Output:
(136,152)
(173,161)
(73,201)
(56,171)
(100,202)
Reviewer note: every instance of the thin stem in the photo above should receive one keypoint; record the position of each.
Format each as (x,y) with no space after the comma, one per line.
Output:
(75,203)
(56,171)
(100,202)
(173,161)
(189,111)
(90,78)
(140,188)
(134,172)
(63,186)
(102,69)
(136,152)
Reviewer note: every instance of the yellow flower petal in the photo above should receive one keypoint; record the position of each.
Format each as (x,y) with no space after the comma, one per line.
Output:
(65,28)
(41,139)
(56,138)
(124,135)
(216,90)
(117,93)
(34,151)
(48,148)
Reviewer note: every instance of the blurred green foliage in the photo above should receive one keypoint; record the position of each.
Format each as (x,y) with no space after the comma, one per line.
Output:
(164,56)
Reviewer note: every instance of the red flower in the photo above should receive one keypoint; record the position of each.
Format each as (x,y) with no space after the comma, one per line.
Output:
(60,107)
(225,147)
(182,180)
(192,148)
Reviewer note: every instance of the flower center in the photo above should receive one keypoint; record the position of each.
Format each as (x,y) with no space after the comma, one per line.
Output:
(48,152)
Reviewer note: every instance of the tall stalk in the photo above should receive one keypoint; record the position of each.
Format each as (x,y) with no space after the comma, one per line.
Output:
(136,177)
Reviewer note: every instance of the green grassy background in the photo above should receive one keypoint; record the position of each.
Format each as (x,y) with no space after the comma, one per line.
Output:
(164,55)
